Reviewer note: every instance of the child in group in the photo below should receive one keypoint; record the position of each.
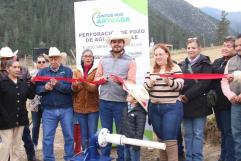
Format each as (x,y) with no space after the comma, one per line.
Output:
(134,118)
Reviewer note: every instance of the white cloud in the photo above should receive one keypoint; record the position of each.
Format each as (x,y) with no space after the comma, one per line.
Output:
(227,5)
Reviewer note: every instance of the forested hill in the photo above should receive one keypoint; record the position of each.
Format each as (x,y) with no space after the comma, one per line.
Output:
(25,24)
(179,20)
(233,17)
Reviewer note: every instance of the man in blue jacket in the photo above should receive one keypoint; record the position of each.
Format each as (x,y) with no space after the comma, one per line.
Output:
(57,105)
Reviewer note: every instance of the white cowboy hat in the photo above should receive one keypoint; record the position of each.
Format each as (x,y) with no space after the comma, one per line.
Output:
(6,52)
(127,39)
(138,92)
(53,51)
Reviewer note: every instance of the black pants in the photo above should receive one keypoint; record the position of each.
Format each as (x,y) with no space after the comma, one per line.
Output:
(28,143)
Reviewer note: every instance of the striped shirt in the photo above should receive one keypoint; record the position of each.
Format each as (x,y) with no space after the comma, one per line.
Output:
(161,92)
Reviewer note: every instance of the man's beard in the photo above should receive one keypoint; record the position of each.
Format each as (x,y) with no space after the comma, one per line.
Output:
(117,49)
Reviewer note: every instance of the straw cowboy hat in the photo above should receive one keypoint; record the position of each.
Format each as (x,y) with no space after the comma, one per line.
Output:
(6,52)
(53,51)
(127,39)
(138,92)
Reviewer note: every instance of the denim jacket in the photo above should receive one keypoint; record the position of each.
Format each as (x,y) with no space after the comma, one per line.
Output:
(61,95)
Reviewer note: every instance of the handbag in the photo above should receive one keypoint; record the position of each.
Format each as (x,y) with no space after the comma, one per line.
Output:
(34,103)
(212,98)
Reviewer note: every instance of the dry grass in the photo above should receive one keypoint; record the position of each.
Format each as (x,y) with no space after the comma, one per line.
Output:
(212,52)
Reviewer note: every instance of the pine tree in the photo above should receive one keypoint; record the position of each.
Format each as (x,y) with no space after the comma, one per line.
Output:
(223,28)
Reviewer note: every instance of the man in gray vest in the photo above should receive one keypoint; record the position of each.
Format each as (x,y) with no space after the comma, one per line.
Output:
(112,96)
(231,87)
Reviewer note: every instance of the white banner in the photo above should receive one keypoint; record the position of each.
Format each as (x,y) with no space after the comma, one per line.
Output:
(97,20)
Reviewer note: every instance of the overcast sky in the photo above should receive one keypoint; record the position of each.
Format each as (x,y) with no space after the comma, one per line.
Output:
(227,5)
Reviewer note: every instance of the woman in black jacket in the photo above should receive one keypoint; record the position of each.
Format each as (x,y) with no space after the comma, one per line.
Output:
(194,100)
(14,92)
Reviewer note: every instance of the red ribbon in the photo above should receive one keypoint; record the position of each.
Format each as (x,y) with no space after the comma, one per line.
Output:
(184,76)
(70,80)
(195,76)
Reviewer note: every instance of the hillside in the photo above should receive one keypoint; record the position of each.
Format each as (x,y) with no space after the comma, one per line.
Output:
(233,17)
(188,21)
(29,23)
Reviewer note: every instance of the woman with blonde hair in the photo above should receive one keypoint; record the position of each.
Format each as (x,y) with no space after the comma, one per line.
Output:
(194,98)
(165,110)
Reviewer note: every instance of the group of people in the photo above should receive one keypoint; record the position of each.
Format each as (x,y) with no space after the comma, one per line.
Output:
(78,105)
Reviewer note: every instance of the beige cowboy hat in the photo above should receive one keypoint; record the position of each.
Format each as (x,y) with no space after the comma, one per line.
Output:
(138,92)
(6,52)
(53,51)
(127,39)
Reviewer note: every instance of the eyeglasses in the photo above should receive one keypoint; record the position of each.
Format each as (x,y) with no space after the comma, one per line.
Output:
(41,62)
(192,38)
(87,56)
(229,38)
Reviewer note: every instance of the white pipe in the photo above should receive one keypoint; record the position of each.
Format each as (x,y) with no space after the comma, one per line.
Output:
(146,143)
(105,137)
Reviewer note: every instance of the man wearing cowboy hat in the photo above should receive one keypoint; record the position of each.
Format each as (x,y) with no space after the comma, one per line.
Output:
(112,96)
(7,54)
(57,105)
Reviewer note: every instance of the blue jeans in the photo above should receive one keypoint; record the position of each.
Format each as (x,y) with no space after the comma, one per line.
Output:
(194,138)
(51,118)
(108,111)
(131,154)
(223,119)
(236,129)
(166,119)
(36,117)
(28,143)
(88,125)
(180,142)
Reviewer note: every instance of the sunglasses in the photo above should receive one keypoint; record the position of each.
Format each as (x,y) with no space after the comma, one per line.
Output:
(229,38)
(192,38)
(41,62)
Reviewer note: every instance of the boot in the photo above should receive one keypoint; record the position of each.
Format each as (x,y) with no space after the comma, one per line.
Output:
(163,155)
(172,150)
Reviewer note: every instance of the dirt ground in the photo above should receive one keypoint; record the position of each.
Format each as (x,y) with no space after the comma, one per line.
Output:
(211,151)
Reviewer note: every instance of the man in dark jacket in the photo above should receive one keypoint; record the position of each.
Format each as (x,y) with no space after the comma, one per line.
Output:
(5,55)
(231,89)
(222,109)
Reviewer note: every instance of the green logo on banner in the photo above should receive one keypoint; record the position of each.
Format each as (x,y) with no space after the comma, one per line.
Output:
(102,19)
